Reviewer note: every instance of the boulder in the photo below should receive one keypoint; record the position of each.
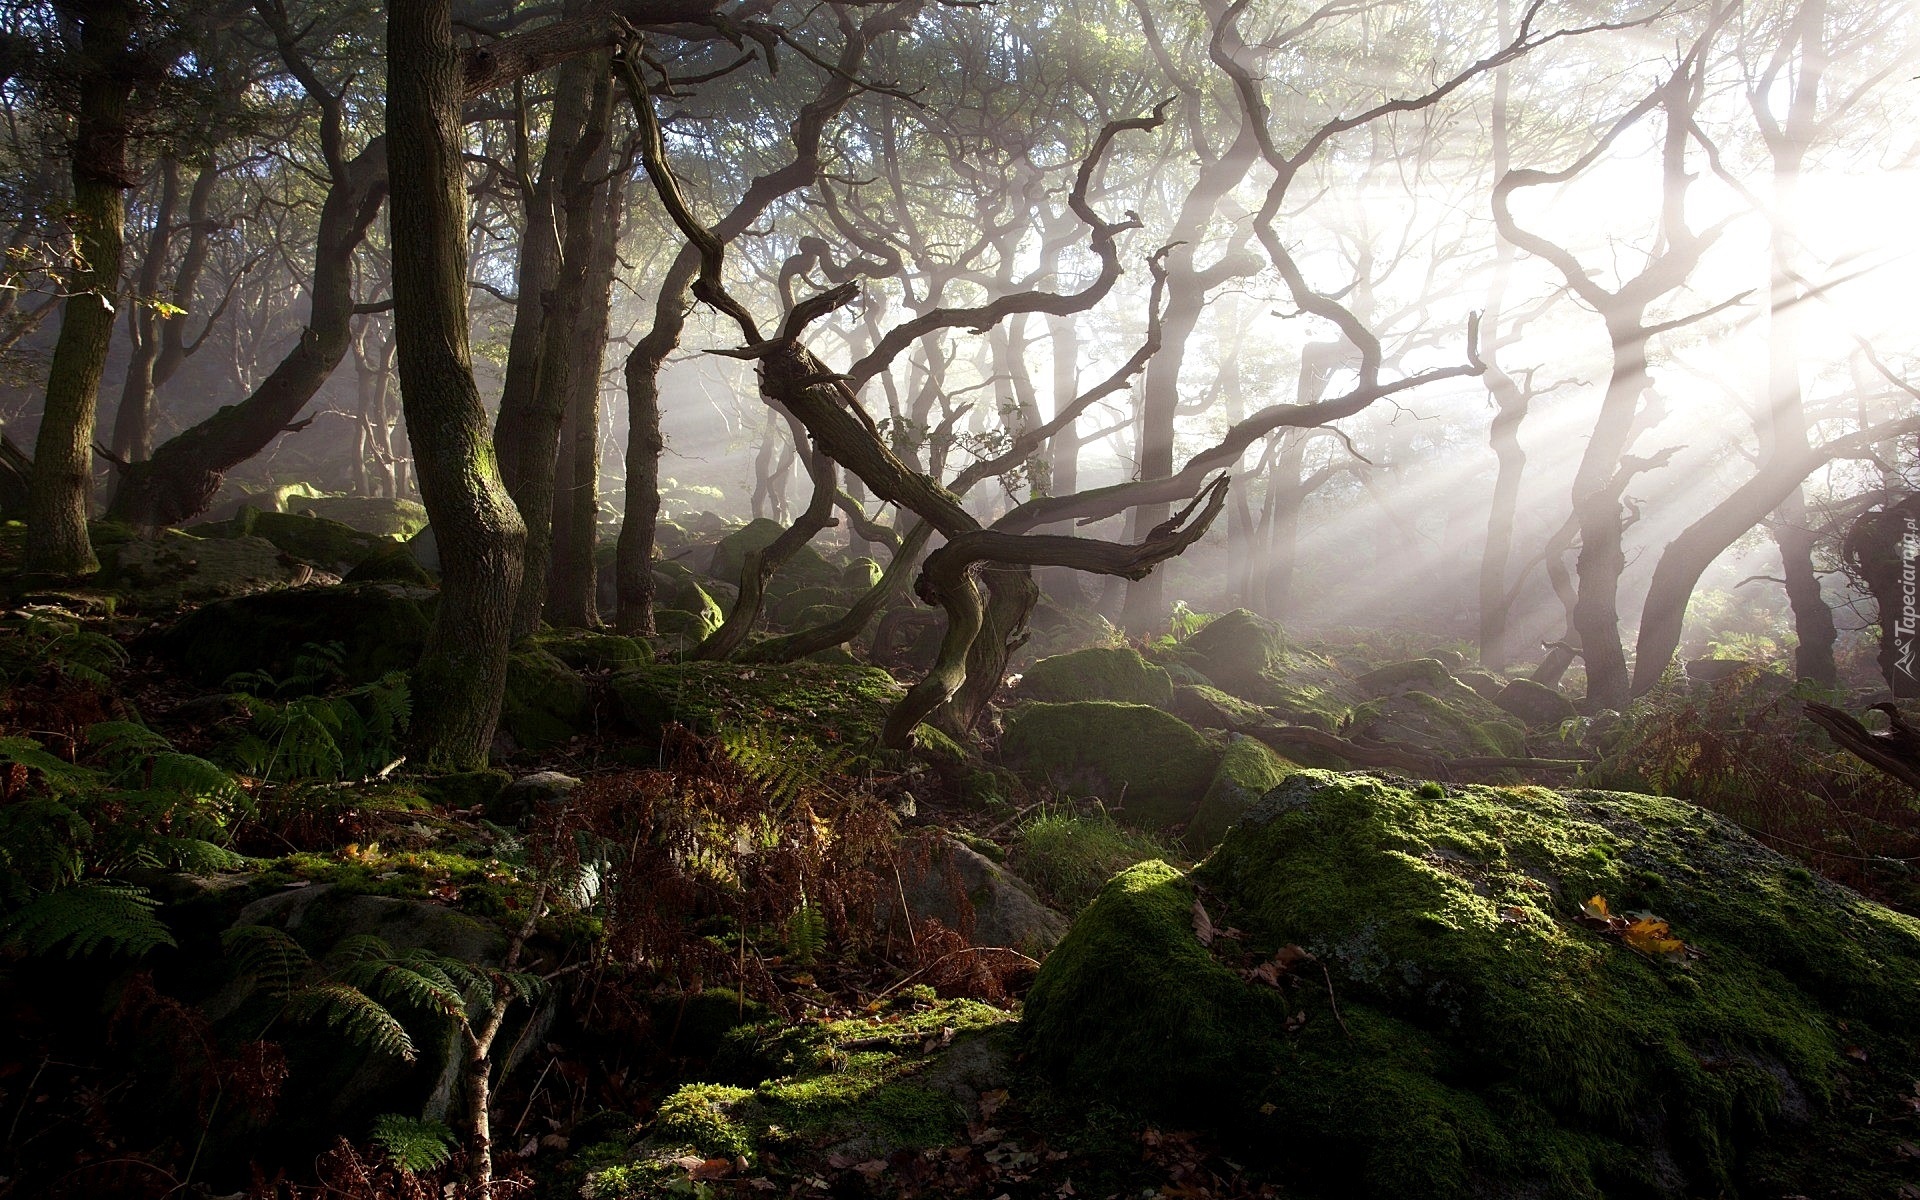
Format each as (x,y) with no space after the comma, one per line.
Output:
(1150,767)
(589,650)
(380,628)
(1099,673)
(320,914)
(860,575)
(522,800)
(1236,651)
(390,563)
(1486,683)
(175,568)
(822,704)
(369,514)
(1438,1011)
(1205,707)
(757,534)
(1248,771)
(1537,705)
(547,703)
(1461,726)
(969,892)
(1419,674)
(326,544)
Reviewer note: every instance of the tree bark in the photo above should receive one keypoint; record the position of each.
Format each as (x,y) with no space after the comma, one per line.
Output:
(58,493)
(462,673)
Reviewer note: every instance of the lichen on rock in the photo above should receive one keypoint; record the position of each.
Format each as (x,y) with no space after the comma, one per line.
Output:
(1099,673)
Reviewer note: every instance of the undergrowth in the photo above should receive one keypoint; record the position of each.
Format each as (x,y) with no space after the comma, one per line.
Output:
(1068,855)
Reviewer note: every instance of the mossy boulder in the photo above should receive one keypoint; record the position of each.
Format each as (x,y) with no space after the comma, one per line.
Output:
(1150,767)
(680,629)
(1418,674)
(547,703)
(380,628)
(824,704)
(1236,651)
(861,575)
(787,609)
(1247,772)
(966,891)
(390,563)
(1537,705)
(847,1090)
(1099,673)
(757,534)
(1488,1040)
(676,587)
(174,568)
(588,650)
(1461,726)
(370,514)
(329,545)
(1206,707)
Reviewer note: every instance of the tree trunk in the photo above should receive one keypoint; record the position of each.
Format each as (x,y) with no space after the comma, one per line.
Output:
(58,494)
(462,674)
(527,434)
(133,421)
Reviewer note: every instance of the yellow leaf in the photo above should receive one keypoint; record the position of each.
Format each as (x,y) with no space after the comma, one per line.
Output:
(1651,936)
(1596,908)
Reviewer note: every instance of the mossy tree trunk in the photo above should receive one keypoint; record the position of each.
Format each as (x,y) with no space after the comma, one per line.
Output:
(58,494)
(459,683)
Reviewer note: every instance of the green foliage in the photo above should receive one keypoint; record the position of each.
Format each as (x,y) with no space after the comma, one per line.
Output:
(71,831)
(413,1144)
(780,768)
(301,731)
(35,642)
(806,933)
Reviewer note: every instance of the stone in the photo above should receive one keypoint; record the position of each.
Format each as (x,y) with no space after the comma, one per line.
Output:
(970,893)
(1537,705)
(1460,726)
(175,568)
(369,514)
(380,628)
(1099,673)
(1248,771)
(1491,1038)
(522,800)
(1148,766)
(758,534)
(546,703)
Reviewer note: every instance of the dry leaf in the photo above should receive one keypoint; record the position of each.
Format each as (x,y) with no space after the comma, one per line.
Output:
(1596,908)
(1652,937)
(1202,923)
(712,1168)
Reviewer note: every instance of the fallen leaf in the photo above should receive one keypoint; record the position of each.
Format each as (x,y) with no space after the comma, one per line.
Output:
(1652,937)
(1596,908)
(990,1102)
(1289,956)
(1268,1109)
(1202,923)
(873,1168)
(712,1168)
(1856,1053)
(1514,913)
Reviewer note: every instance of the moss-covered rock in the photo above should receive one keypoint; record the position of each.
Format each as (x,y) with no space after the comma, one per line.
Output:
(757,534)
(1249,657)
(546,703)
(379,627)
(1148,765)
(860,575)
(174,568)
(1461,726)
(1204,706)
(1487,1040)
(792,603)
(1247,772)
(1418,674)
(1537,705)
(679,629)
(329,545)
(822,703)
(1099,673)
(369,514)
(390,563)
(675,587)
(588,650)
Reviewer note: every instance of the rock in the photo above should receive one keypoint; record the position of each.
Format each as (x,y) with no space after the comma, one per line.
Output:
(787,609)
(1713,670)
(1537,705)
(589,650)
(676,587)
(682,629)
(1485,683)
(320,914)
(1206,707)
(1247,772)
(1150,767)
(860,575)
(164,572)
(466,789)
(1099,673)
(546,702)
(758,534)
(380,627)
(523,799)
(975,896)
(326,544)
(822,704)
(1419,674)
(426,549)
(1461,726)
(1450,659)
(1489,1041)
(1236,651)
(391,563)
(370,514)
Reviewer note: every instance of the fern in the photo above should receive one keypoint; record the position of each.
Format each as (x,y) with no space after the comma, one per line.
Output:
(806,933)
(322,737)
(87,916)
(778,768)
(353,1014)
(412,1144)
(268,957)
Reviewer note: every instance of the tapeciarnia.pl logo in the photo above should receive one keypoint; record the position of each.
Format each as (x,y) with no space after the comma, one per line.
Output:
(1908,622)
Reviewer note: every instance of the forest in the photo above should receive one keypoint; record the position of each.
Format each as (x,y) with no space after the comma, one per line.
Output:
(1001,599)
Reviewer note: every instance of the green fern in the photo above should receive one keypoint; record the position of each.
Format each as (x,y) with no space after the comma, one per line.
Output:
(354,1015)
(87,916)
(806,933)
(321,737)
(412,1144)
(778,767)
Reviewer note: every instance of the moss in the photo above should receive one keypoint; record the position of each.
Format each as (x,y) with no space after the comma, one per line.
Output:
(1424,674)
(465,789)
(393,563)
(708,1118)
(1247,772)
(1067,856)
(1236,650)
(683,630)
(330,545)
(546,702)
(860,575)
(1099,673)
(370,514)
(585,650)
(381,627)
(172,568)
(821,703)
(787,612)
(1206,707)
(1146,764)
(1490,1042)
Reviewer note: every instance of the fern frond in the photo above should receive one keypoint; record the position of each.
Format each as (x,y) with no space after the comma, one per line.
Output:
(122,739)
(59,774)
(87,916)
(358,948)
(268,956)
(806,933)
(353,1014)
(412,1144)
